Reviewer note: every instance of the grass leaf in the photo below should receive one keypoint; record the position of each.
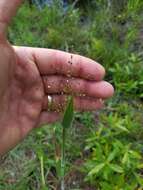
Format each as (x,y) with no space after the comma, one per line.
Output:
(69,113)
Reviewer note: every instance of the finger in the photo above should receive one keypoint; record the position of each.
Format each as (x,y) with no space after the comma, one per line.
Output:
(61,84)
(58,62)
(58,103)
(48,117)
(8,9)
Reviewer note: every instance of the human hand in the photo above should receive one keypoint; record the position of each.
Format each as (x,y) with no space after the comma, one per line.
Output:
(29,75)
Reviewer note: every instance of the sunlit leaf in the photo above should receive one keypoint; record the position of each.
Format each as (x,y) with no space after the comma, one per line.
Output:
(125,158)
(122,128)
(112,155)
(135,154)
(116,168)
(96,169)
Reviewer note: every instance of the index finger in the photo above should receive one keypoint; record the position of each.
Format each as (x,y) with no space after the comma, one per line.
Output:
(51,62)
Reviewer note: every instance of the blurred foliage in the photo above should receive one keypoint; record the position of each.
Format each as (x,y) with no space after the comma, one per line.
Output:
(116,157)
(104,148)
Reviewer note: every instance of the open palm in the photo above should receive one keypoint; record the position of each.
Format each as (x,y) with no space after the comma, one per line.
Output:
(29,75)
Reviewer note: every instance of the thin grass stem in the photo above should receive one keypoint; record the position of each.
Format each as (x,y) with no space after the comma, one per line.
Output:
(42,172)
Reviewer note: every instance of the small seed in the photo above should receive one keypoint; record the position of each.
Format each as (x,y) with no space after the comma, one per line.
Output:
(68,74)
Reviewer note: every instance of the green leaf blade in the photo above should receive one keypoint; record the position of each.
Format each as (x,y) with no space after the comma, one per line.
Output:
(96,169)
(116,168)
(69,113)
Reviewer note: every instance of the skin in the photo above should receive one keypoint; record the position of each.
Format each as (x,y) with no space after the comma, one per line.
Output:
(28,75)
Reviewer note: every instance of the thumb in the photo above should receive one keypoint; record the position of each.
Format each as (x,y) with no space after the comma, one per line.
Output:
(8,9)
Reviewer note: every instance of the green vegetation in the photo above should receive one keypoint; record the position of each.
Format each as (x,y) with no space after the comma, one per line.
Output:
(104,149)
